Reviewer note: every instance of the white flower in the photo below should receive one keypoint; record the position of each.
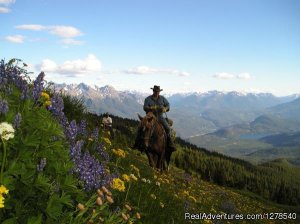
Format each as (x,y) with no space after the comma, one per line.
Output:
(6,131)
(149,181)
(144,180)
(157,183)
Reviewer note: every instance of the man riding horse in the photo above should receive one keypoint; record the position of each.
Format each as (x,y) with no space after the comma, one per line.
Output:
(157,105)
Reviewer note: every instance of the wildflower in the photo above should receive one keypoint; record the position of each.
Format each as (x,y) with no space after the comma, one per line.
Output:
(144,180)
(192,198)
(38,86)
(3,190)
(104,189)
(109,199)
(161,204)
(6,131)
(125,177)
(99,201)
(47,103)
(80,206)
(3,107)
(186,193)
(71,130)
(124,217)
(100,193)
(128,207)
(149,181)
(157,183)
(135,168)
(40,167)
(45,96)
(138,215)
(95,133)
(82,128)
(119,152)
(153,196)
(133,177)
(155,177)
(107,141)
(17,121)
(118,184)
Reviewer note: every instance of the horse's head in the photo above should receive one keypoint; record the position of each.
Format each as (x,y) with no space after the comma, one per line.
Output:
(147,127)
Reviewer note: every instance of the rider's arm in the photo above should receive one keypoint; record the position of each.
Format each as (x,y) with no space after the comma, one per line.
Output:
(147,106)
(166,104)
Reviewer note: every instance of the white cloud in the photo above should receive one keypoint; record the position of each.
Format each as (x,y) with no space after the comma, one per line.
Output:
(65,31)
(73,68)
(70,41)
(34,27)
(7,2)
(19,39)
(245,76)
(223,75)
(4,10)
(145,70)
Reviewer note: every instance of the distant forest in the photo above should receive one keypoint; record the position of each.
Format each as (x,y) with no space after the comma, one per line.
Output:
(278,182)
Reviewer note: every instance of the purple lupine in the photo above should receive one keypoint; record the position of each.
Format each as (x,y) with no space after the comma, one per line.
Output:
(75,151)
(95,133)
(82,128)
(38,86)
(71,131)
(17,121)
(40,167)
(90,172)
(101,152)
(3,107)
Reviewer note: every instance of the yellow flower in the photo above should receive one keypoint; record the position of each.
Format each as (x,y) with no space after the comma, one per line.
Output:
(135,168)
(118,184)
(153,196)
(119,152)
(107,141)
(186,193)
(3,190)
(80,206)
(126,177)
(128,207)
(138,215)
(109,199)
(133,177)
(124,217)
(45,96)
(192,198)
(47,103)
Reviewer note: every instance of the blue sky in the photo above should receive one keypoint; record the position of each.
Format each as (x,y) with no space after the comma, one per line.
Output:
(186,45)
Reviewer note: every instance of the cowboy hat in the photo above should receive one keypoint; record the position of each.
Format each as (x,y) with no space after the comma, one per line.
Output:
(157,89)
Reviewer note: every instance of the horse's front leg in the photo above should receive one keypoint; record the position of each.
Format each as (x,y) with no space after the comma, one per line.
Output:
(150,159)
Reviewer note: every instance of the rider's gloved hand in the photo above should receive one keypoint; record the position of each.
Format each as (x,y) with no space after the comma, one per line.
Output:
(164,109)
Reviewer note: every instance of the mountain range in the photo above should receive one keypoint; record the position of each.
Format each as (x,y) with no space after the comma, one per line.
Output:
(193,113)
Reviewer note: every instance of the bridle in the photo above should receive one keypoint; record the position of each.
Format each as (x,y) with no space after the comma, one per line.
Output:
(149,137)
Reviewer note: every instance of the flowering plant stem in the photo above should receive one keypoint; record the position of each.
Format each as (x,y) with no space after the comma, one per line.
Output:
(127,191)
(3,161)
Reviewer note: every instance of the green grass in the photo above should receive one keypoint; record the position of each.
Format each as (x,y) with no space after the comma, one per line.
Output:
(179,190)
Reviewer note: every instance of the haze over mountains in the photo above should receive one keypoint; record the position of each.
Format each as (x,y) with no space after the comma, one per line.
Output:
(193,113)
(233,123)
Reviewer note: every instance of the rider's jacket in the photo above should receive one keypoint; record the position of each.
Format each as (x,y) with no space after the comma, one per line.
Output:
(156,105)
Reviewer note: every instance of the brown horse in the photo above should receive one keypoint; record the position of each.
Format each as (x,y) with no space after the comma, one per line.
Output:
(154,141)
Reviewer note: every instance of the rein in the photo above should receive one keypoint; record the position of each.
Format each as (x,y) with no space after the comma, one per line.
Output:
(151,132)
